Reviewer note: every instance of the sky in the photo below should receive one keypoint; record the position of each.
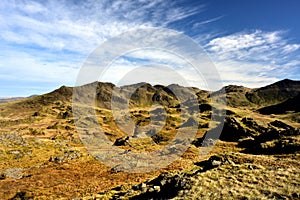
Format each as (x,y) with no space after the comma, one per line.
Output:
(45,43)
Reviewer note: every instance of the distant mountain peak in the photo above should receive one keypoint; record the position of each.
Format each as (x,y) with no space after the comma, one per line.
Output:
(236,95)
(285,83)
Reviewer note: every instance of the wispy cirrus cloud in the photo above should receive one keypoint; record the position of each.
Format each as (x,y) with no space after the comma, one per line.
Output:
(65,25)
(244,45)
(46,33)
(254,58)
(198,24)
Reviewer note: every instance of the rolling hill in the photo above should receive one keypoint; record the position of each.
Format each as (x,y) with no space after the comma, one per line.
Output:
(292,104)
(43,155)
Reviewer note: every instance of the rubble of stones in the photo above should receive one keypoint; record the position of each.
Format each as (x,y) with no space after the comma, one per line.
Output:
(68,155)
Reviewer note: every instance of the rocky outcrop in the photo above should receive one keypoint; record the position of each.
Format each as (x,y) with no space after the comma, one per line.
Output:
(167,185)
(277,138)
(232,130)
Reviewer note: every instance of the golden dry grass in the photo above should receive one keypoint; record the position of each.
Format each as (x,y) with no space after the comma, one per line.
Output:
(47,135)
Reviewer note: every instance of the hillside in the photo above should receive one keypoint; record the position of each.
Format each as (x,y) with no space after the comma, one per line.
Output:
(255,156)
(292,104)
(239,96)
(274,93)
(6,100)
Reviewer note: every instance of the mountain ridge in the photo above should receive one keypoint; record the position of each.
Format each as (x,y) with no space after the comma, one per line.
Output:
(236,96)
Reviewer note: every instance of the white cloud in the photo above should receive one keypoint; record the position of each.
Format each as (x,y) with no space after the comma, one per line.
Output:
(81,27)
(244,41)
(32,7)
(291,48)
(38,35)
(254,58)
(245,73)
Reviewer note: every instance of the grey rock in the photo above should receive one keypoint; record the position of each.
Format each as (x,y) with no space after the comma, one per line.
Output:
(14,152)
(16,173)
(69,155)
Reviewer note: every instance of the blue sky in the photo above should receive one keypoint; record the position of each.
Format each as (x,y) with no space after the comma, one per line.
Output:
(44,43)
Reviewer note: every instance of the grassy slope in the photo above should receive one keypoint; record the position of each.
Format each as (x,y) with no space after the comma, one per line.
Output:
(41,128)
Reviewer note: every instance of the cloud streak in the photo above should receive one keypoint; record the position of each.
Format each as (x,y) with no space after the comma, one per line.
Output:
(254,58)
(38,37)
(64,25)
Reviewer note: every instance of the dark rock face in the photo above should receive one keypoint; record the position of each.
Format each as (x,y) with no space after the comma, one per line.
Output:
(23,196)
(229,112)
(163,187)
(277,138)
(274,138)
(121,141)
(64,115)
(246,142)
(198,141)
(233,130)
(273,146)
(35,114)
(287,145)
(205,107)
(280,124)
